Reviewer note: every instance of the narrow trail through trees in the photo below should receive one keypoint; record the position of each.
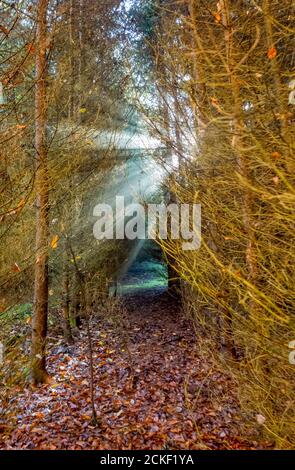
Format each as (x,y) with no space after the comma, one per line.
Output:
(152,391)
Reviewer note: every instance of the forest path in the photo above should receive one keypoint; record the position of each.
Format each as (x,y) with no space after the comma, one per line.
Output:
(167,397)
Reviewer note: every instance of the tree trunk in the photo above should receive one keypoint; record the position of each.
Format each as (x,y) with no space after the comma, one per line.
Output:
(39,324)
(198,76)
(77,303)
(66,303)
(71,105)
(280,93)
(242,158)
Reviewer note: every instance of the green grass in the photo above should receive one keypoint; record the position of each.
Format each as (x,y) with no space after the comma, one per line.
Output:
(144,275)
(18,312)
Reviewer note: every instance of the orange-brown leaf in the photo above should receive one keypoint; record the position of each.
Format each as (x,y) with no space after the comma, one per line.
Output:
(16,268)
(4,30)
(217,17)
(54,241)
(272,53)
(276,155)
(30,48)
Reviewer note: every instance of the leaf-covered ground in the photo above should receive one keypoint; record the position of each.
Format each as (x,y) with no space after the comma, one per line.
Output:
(157,393)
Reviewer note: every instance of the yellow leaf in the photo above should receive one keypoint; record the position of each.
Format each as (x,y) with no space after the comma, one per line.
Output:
(217,17)
(54,385)
(87,417)
(54,241)
(76,258)
(82,110)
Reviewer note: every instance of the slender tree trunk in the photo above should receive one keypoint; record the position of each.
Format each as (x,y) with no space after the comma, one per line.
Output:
(66,302)
(39,324)
(242,158)
(71,104)
(280,93)
(80,58)
(85,298)
(199,91)
(94,420)
(173,276)
(77,303)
